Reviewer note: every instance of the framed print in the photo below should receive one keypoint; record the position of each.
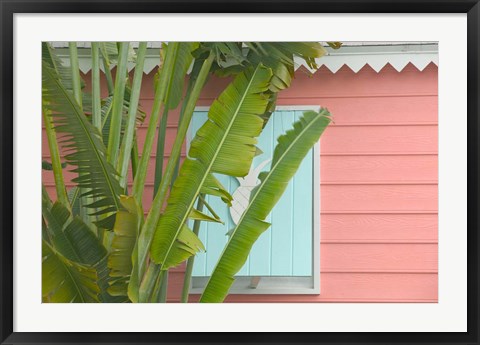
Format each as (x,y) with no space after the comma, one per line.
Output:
(239,172)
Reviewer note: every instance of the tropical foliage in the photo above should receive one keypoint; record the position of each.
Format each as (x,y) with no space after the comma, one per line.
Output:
(97,244)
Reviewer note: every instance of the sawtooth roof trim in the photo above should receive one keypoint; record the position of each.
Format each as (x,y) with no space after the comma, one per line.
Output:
(355,55)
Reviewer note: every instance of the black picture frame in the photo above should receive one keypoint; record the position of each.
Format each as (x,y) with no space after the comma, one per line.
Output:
(10,7)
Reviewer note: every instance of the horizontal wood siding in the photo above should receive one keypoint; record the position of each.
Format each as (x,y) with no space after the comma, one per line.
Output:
(379,176)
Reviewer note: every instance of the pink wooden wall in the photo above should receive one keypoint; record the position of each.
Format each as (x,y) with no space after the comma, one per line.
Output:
(378,183)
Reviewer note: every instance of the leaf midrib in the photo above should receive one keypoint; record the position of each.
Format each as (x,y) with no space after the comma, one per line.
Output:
(207,171)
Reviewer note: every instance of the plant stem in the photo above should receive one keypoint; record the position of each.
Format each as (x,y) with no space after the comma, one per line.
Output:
(148,283)
(163,286)
(160,90)
(159,294)
(108,76)
(134,157)
(156,289)
(117,107)
(56,163)
(106,67)
(162,131)
(191,83)
(141,172)
(148,229)
(77,88)
(128,136)
(96,97)
(191,260)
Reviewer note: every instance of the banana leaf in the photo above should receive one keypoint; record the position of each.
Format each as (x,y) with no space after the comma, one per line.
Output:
(64,73)
(292,147)
(128,223)
(279,56)
(64,281)
(83,145)
(75,242)
(225,144)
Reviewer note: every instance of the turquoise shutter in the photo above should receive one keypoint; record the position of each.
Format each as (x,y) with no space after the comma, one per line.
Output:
(285,249)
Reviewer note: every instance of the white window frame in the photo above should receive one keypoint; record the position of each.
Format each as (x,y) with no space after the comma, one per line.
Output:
(273,285)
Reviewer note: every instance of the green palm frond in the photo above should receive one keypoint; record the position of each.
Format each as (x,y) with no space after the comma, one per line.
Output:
(128,223)
(225,144)
(83,146)
(292,147)
(70,258)
(74,200)
(71,237)
(279,56)
(229,57)
(64,73)
(75,242)
(64,281)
